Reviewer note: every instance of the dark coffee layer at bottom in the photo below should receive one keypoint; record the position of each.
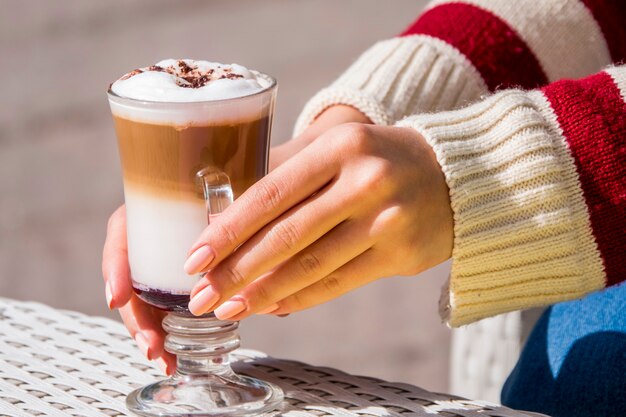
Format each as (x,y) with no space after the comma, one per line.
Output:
(165,300)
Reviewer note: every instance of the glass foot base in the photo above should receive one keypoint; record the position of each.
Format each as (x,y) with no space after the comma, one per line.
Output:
(210,395)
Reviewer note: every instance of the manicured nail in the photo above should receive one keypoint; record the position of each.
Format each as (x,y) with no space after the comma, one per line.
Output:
(163,365)
(200,285)
(109,295)
(143,345)
(229,309)
(203,301)
(269,309)
(199,260)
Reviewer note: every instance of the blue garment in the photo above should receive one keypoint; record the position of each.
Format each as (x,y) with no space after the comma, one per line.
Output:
(574,362)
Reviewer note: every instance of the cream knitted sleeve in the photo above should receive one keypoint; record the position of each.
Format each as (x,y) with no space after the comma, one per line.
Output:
(537,189)
(400,76)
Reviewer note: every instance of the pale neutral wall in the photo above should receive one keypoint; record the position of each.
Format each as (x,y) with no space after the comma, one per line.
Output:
(60,177)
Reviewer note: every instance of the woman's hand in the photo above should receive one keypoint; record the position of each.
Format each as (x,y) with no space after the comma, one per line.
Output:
(359,203)
(143,321)
(331,117)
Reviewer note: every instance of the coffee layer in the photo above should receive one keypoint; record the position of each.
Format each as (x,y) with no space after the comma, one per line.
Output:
(162,160)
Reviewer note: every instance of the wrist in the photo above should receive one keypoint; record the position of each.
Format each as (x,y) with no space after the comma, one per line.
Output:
(342,113)
(333,116)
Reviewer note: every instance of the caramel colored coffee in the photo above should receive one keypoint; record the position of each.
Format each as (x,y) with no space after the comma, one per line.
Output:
(174,120)
(163,160)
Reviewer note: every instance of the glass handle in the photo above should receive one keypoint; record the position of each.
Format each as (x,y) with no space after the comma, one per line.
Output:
(218,193)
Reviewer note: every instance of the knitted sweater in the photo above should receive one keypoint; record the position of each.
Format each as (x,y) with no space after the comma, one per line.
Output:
(536,177)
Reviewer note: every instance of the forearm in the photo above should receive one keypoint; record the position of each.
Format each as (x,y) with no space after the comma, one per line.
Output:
(456,52)
(537,190)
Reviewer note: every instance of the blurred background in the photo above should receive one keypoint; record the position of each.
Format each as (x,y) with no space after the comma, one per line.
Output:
(60,177)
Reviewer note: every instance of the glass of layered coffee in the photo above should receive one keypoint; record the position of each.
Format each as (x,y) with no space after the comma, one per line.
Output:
(192,136)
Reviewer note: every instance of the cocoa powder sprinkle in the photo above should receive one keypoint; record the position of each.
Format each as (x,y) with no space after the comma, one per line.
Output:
(184,68)
(132,73)
(188,76)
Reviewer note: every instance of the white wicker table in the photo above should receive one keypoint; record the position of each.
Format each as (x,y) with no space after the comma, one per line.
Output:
(62,363)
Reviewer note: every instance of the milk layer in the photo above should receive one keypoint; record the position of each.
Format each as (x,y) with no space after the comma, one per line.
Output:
(160,233)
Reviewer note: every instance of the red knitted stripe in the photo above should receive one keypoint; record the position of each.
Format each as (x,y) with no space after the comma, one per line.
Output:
(611,16)
(592,114)
(496,50)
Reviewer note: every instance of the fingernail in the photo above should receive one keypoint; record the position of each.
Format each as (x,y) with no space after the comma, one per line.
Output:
(198,260)
(163,365)
(269,309)
(203,301)
(143,345)
(200,285)
(229,309)
(109,295)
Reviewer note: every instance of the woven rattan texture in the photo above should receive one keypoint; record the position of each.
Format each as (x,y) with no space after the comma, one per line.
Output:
(60,363)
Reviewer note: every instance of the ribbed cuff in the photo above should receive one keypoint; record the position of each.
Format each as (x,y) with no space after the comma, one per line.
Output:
(523,237)
(400,76)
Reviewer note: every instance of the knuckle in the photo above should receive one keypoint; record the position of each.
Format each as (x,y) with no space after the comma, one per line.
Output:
(357,136)
(225,232)
(384,169)
(332,284)
(284,236)
(262,295)
(295,302)
(403,258)
(357,130)
(268,193)
(380,177)
(389,221)
(232,277)
(309,263)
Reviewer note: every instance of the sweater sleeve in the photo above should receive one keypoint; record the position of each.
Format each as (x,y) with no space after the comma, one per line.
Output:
(538,194)
(457,51)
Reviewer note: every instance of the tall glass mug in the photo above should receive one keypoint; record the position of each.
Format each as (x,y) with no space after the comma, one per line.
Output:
(183,162)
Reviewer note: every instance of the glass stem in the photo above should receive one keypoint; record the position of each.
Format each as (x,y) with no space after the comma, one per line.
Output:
(201,344)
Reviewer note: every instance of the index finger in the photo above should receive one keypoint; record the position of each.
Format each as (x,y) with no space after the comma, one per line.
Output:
(283,188)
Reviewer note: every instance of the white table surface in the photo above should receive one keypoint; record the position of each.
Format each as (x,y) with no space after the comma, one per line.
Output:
(61,363)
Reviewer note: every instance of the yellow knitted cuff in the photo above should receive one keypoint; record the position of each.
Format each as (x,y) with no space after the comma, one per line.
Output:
(522,231)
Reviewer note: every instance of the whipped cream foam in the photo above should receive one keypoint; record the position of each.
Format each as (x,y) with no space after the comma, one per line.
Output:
(188,80)
(186,92)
